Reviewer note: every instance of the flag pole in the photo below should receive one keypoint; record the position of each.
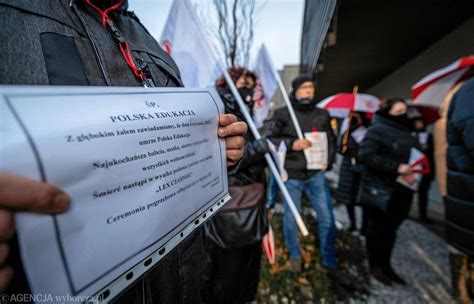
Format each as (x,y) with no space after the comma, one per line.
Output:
(251,124)
(289,105)
(268,158)
(281,86)
(346,134)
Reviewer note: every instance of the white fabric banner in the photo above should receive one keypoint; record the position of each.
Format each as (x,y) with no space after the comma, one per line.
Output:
(186,40)
(267,84)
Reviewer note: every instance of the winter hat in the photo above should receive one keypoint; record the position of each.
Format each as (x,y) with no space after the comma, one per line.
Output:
(298,81)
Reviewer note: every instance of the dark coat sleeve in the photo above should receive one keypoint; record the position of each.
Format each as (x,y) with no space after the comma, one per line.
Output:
(369,154)
(254,152)
(276,130)
(460,129)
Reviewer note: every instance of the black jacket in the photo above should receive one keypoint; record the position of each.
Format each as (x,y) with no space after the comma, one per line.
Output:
(385,147)
(350,173)
(460,159)
(55,43)
(281,128)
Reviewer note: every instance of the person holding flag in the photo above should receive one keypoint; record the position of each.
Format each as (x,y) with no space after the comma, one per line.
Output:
(301,179)
(234,235)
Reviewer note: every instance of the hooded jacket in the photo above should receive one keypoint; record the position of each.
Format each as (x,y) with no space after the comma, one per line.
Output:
(63,42)
(459,208)
(281,128)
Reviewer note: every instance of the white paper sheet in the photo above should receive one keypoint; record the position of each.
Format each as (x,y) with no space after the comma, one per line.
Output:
(415,155)
(359,134)
(279,156)
(317,155)
(423,138)
(143,168)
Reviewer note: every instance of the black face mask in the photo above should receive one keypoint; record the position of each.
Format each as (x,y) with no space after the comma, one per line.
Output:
(402,120)
(304,104)
(247,95)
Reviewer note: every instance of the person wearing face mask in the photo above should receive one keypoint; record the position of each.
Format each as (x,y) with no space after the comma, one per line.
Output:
(234,236)
(385,153)
(300,179)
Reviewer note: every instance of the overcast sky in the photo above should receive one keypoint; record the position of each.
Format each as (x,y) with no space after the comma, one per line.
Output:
(279,25)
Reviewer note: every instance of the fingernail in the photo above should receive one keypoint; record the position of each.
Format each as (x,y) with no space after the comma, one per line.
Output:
(61,201)
(221,132)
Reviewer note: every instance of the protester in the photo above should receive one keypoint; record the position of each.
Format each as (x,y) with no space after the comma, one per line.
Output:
(427,147)
(460,195)
(385,153)
(234,236)
(311,182)
(351,172)
(66,43)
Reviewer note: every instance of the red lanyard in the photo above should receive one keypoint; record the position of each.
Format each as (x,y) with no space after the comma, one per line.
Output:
(123,44)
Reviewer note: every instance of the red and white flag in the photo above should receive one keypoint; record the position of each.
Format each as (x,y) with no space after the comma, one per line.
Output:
(268,244)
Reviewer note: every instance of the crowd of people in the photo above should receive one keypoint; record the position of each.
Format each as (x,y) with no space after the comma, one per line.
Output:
(220,262)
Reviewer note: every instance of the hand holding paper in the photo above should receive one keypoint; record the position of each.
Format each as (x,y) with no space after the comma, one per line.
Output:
(233,132)
(22,194)
(412,173)
(142,167)
(301,144)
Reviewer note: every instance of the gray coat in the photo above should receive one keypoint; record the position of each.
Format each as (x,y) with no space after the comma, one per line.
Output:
(60,42)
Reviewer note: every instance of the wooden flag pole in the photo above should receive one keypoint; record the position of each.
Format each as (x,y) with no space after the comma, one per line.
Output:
(346,134)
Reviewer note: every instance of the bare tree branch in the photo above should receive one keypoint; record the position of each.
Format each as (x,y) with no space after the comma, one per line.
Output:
(235,20)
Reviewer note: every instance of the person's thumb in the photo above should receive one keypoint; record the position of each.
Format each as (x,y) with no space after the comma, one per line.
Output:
(22,194)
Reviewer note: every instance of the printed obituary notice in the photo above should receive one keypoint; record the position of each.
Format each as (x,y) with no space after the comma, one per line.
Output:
(317,155)
(144,168)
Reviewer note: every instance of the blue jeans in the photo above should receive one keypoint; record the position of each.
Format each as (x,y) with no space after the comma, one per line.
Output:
(273,190)
(317,191)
